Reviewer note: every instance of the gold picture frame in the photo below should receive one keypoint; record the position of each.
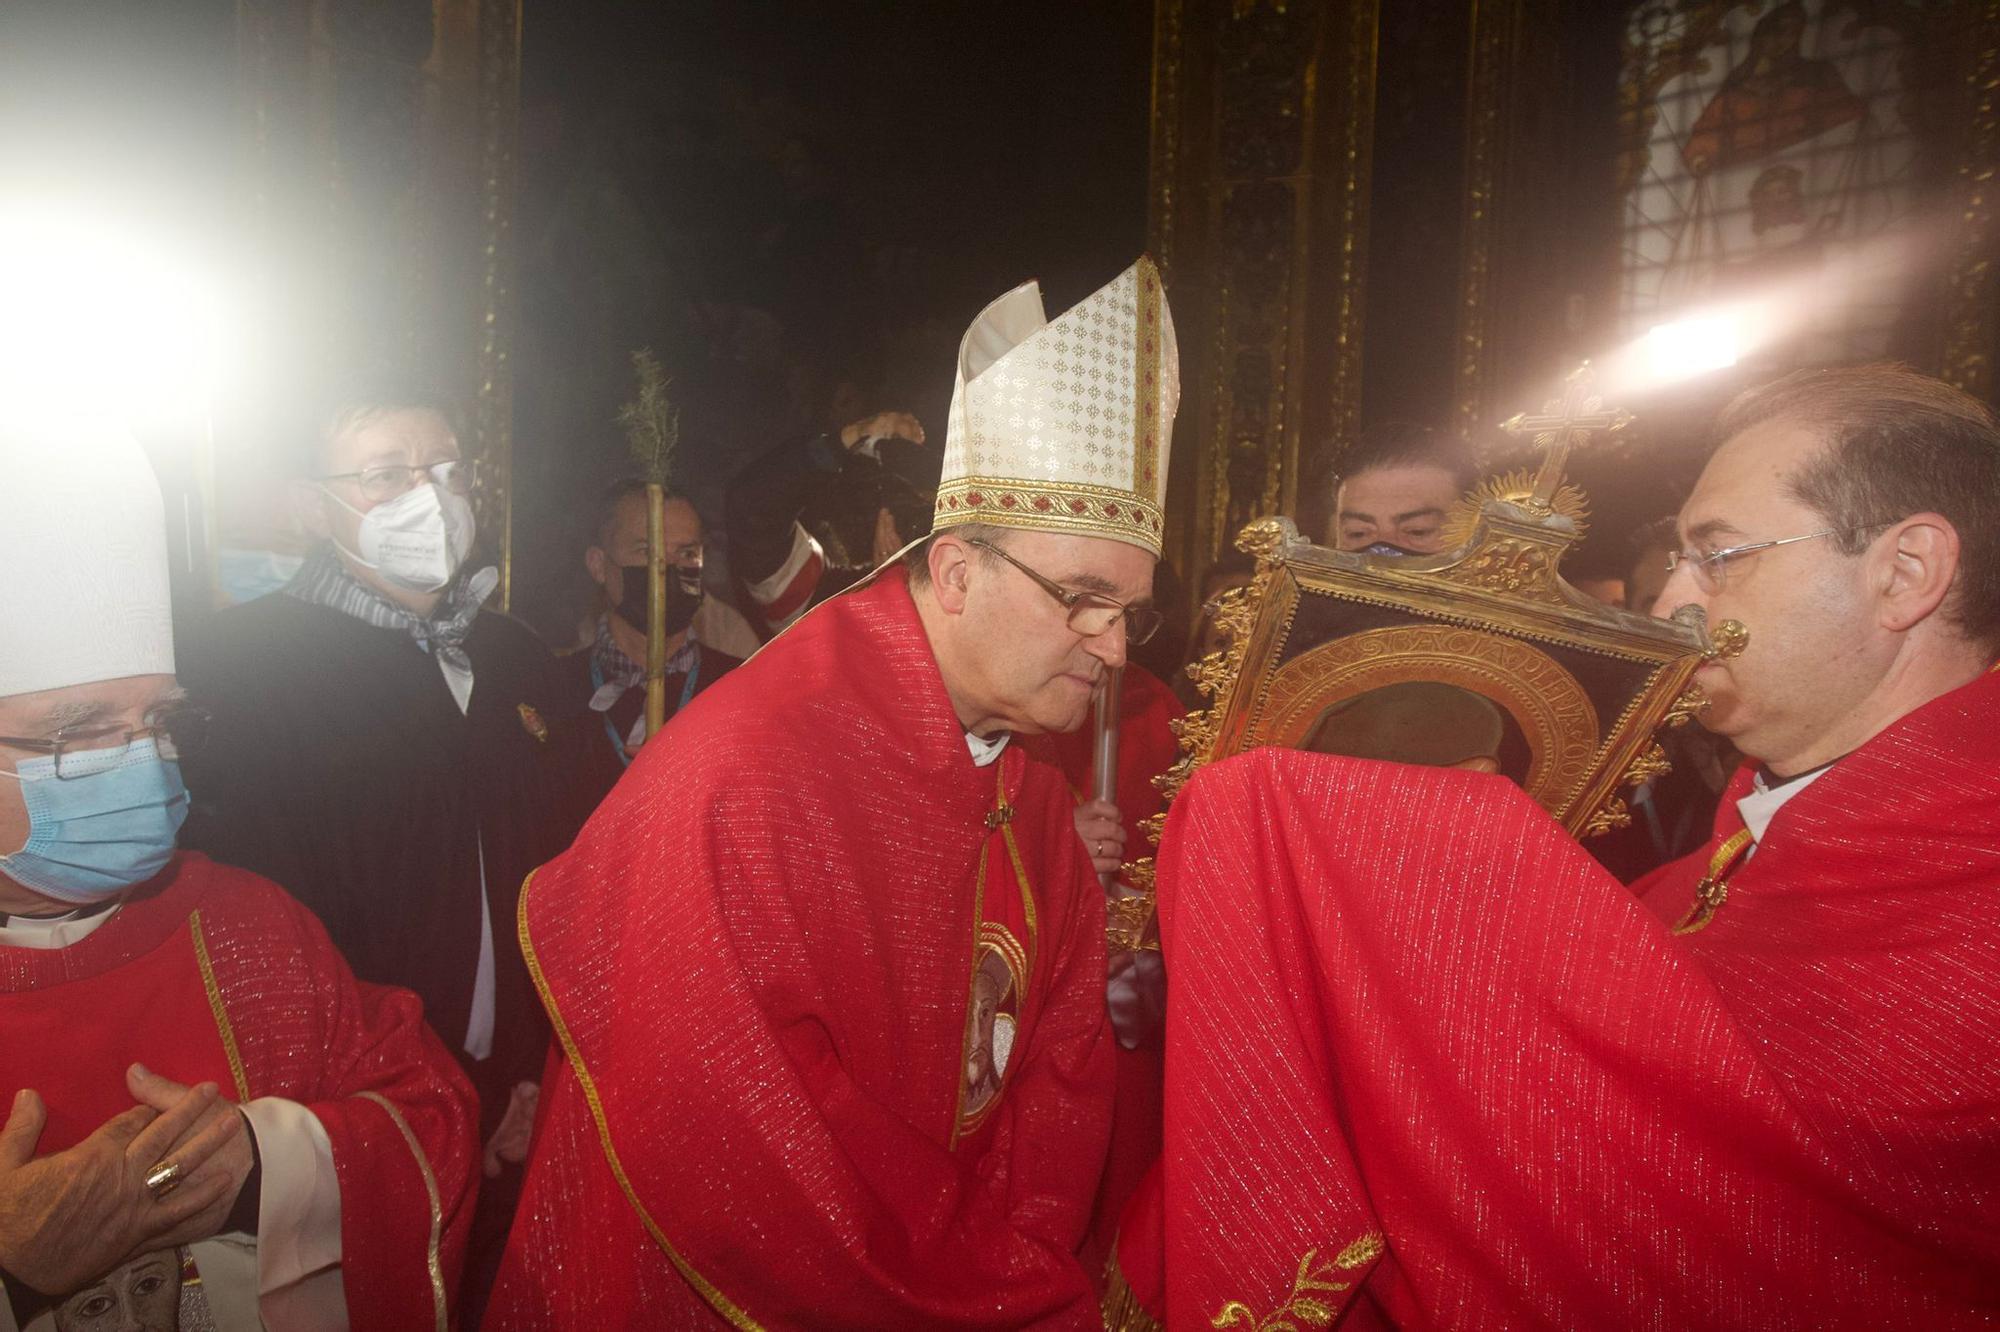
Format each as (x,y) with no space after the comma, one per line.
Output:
(1585,686)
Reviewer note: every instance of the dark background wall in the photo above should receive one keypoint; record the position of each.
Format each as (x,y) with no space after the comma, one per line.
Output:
(774,196)
(770,195)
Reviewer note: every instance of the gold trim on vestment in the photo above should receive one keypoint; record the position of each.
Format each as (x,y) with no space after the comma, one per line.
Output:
(1146,443)
(1304,1305)
(1713,890)
(242,1081)
(1029,951)
(1027,906)
(972,981)
(1065,506)
(716,1299)
(1120,1308)
(221,1014)
(439,1307)
(997,938)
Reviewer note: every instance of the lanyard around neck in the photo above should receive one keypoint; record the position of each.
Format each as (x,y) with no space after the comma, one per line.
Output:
(617,740)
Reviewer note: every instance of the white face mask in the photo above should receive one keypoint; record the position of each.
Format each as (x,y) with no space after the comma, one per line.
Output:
(417,540)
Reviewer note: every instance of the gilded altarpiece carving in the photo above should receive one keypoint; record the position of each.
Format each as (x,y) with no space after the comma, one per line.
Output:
(1260,167)
(1972,323)
(1511,220)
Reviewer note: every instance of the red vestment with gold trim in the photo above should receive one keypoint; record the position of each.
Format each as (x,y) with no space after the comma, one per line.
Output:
(1430,1066)
(210,973)
(831,1006)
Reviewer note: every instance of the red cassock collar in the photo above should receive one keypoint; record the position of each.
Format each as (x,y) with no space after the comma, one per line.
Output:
(149,915)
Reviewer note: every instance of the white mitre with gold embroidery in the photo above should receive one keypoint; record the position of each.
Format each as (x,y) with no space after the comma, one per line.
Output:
(1065,426)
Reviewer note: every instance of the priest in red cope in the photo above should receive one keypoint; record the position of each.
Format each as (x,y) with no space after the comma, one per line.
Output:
(210,1122)
(1430,1067)
(827,969)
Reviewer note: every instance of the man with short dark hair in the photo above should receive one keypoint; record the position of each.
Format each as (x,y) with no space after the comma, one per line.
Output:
(1396,487)
(384,745)
(1872,442)
(605,682)
(1758,1090)
(828,966)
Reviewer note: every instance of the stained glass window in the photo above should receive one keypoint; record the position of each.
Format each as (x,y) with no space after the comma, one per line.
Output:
(1771,169)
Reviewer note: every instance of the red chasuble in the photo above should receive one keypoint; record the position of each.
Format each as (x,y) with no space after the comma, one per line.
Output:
(1431,1067)
(210,973)
(1147,747)
(830,1001)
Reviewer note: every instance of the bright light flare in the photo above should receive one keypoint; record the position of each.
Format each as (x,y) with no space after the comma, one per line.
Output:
(1779,324)
(104,318)
(1690,347)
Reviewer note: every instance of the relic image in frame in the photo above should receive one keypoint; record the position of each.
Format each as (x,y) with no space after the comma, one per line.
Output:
(1479,657)
(1427,722)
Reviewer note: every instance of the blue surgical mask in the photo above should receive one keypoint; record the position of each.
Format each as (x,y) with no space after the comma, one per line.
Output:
(245,574)
(106,824)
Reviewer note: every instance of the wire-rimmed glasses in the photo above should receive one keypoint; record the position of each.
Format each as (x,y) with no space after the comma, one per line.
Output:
(1090,613)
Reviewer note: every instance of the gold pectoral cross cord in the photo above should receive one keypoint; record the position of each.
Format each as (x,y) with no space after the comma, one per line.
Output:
(1713,890)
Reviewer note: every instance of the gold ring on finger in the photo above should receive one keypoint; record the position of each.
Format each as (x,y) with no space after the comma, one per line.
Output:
(163,1179)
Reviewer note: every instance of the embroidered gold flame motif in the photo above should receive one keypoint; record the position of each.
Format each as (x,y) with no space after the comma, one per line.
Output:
(1304,1307)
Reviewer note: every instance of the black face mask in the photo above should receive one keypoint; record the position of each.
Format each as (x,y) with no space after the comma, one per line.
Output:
(684,594)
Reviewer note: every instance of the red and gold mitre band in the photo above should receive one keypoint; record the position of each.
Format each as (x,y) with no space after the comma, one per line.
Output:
(1064,425)
(1089,510)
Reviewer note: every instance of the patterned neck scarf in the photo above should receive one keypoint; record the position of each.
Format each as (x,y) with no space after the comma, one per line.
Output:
(324,581)
(620,673)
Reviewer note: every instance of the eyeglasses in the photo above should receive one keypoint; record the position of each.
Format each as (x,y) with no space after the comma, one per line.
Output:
(1710,569)
(460,476)
(81,751)
(1089,613)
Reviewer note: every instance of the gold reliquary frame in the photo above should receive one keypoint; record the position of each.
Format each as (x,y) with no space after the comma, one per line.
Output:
(1583,687)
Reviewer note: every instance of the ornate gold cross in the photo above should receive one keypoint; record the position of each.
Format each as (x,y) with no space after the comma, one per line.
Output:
(1563,424)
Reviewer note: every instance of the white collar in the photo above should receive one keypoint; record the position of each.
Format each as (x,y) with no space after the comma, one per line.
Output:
(1761,805)
(51,932)
(985,751)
